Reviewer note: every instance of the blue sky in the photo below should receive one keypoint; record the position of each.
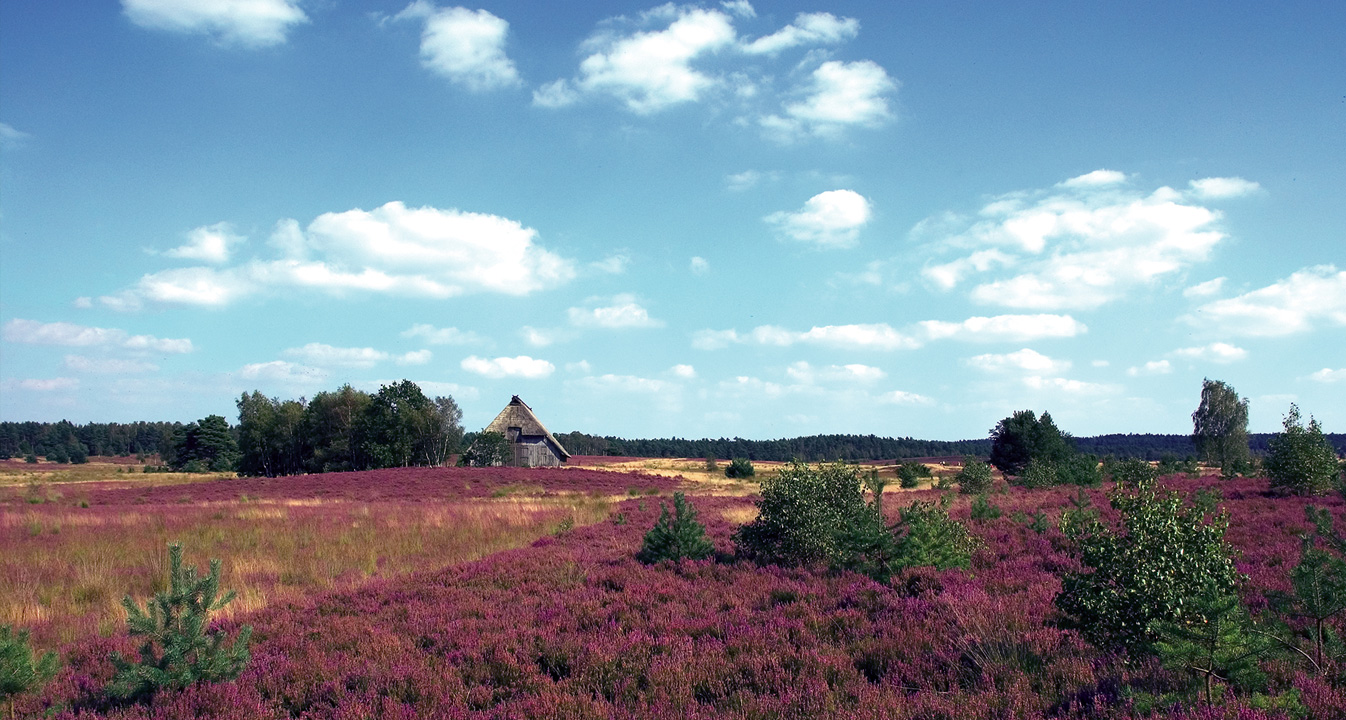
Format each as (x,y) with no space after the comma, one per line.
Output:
(725,219)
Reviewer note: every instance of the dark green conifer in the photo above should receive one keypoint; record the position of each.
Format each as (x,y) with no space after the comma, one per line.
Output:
(19,673)
(676,536)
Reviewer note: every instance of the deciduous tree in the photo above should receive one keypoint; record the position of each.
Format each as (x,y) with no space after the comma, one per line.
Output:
(1300,460)
(1220,427)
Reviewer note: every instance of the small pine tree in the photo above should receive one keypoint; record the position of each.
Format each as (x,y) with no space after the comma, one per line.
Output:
(1319,588)
(975,477)
(909,474)
(19,673)
(932,538)
(740,468)
(983,509)
(1214,641)
(179,649)
(676,536)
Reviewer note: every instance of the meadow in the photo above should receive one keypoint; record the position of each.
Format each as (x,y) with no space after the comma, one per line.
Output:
(417,615)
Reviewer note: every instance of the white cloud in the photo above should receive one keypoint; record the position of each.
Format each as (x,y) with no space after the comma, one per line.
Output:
(1006,328)
(714,339)
(841,95)
(1153,367)
(879,336)
(807,29)
(746,180)
(627,384)
(829,219)
(1025,360)
(901,397)
(542,337)
(686,372)
(254,23)
(1308,298)
(1219,188)
(1086,242)
(613,265)
(621,312)
(556,94)
(503,367)
(107,366)
(31,332)
(415,357)
(211,243)
(281,371)
(393,249)
(741,8)
(1065,385)
(699,266)
(1328,375)
(41,384)
(465,46)
(651,70)
(442,336)
(582,366)
(1215,352)
(854,373)
(10,137)
(1205,289)
(323,355)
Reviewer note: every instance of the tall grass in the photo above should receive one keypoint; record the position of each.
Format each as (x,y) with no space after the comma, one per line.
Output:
(66,568)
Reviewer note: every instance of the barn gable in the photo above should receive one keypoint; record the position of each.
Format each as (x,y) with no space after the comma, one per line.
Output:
(532,443)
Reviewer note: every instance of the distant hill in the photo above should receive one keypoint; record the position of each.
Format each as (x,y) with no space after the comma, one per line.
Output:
(813,448)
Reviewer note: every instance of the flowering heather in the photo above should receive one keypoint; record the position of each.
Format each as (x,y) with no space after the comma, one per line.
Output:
(574,626)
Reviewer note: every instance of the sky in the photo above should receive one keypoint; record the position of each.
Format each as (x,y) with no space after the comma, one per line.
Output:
(726,219)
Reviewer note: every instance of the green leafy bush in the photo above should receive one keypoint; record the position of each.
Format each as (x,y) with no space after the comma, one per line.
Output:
(1158,566)
(802,513)
(676,536)
(739,468)
(19,672)
(928,536)
(179,649)
(1079,469)
(975,478)
(983,509)
(1300,460)
(1132,471)
(909,474)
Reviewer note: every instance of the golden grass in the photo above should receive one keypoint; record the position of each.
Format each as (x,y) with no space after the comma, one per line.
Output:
(65,570)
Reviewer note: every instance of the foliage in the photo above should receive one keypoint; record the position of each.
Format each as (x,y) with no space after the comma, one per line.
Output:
(739,468)
(910,474)
(1169,464)
(488,449)
(1301,461)
(676,536)
(1216,640)
(1132,471)
(19,673)
(1023,437)
(712,465)
(1318,592)
(179,648)
(984,509)
(1220,427)
(207,444)
(1080,469)
(1165,559)
(802,511)
(974,478)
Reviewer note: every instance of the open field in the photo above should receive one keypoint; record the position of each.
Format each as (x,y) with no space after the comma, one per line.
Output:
(713,482)
(392,594)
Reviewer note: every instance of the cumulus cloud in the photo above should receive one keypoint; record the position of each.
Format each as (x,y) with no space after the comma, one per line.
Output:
(542,337)
(252,23)
(1085,242)
(626,384)
(280,371)
(1215,352)
(393,249)
(881,336)
(876,336)
(620,312)
(831,219)
(841,95)
(1153,367)
(1068,386)
(1310,298)
(1025,360)
(465,46)
(414,357)
(686,372)
(10,137)
(326,356)
(1219,188)
(107,366)
(32,332)
(902,397)
(854,373)
(212,244)
(807,29)
(699,266)
(442,336)
(746,180)
(503,367)
(59,384)
(1205,289)
(1328,375)
(1007,328)
(612,265)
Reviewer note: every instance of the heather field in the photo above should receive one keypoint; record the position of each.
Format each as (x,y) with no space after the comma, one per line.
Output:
(428,620)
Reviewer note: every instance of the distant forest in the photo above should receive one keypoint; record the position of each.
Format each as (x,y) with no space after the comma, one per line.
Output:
(65,440)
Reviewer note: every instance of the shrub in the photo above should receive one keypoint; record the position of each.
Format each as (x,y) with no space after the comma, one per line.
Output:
(675,536)
(982,509)
(931,537)
(1300,460)
(1038,474)
(1132,471)
(1165,561)
(19,673)
(802,512)
(1079,469)
(909,474)
(179,649)
(1318,592)
(1216,641)
(975,477)
(739,468)
(1023,437)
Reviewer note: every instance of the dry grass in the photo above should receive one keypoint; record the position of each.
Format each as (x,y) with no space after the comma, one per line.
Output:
(65,570)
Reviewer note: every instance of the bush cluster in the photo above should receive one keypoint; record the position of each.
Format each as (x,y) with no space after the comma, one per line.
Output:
(974,478)
(740,468)
(1300,460)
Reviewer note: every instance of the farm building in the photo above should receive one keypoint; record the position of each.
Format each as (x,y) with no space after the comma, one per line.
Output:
(532,444)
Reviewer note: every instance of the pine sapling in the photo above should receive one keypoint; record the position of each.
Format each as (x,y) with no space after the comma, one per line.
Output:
(676,536)
(179,648)
(1319,590)
(19,673)
(1216,641)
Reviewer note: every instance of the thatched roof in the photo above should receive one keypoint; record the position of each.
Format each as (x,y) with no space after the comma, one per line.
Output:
(518,414)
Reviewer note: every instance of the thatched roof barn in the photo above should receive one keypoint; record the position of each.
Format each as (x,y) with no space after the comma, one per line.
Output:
(532,443)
